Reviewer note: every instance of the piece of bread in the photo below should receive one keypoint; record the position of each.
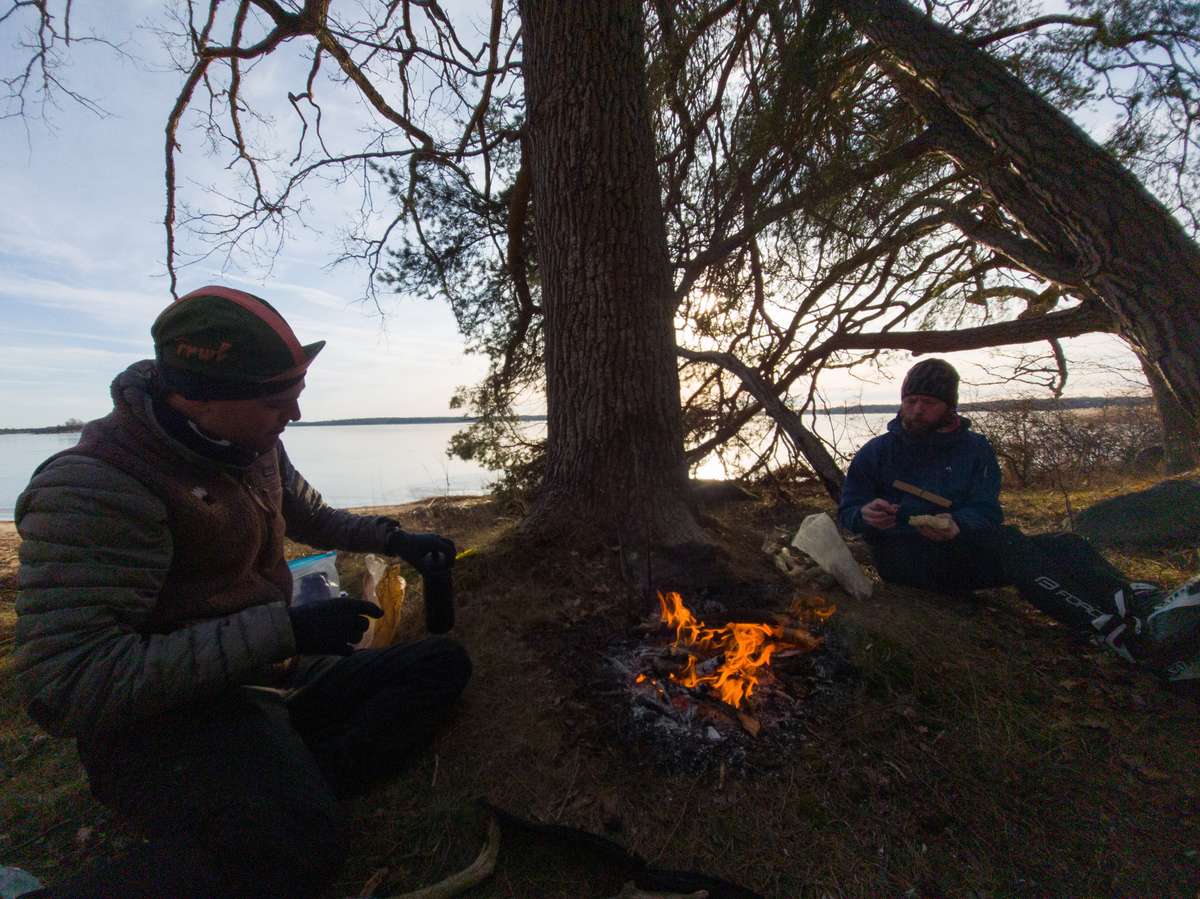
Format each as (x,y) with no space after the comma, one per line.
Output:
(942,522)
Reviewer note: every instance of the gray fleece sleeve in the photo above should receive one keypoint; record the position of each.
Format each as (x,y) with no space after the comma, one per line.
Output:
(312,522)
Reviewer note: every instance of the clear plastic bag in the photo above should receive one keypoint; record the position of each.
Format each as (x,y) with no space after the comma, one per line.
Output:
(314,577)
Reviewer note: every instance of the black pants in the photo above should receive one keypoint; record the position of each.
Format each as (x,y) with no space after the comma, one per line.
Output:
(238,795)
(1061,574)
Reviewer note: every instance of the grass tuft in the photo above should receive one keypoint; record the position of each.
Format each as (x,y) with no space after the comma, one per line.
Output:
(984,751)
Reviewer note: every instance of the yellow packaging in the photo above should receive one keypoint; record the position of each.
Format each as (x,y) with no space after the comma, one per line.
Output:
(384,586)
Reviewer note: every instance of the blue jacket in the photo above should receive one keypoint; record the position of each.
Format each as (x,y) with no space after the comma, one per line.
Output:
(959,465)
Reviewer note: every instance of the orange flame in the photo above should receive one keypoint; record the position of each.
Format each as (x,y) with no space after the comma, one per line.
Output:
(811,606)
(747,649)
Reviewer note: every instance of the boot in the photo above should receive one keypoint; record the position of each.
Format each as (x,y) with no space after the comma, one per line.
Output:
(1169,638)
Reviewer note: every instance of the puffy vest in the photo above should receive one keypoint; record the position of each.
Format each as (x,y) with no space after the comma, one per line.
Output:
(226,524)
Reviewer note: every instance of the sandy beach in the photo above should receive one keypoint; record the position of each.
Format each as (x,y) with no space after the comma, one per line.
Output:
(9,541)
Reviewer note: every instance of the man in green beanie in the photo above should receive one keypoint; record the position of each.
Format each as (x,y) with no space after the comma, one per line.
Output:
(156,624)
(925,496)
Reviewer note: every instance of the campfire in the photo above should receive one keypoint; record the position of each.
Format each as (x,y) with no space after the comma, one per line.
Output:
(700,692)
(735,656)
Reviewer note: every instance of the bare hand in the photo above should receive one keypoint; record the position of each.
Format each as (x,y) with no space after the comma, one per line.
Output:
(947,529)
(880,514)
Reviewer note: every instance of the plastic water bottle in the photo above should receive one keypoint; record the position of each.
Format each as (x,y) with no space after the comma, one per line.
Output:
(439,596)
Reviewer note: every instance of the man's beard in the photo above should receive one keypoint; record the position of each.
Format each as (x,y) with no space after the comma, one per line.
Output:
(916,428)
(919,428)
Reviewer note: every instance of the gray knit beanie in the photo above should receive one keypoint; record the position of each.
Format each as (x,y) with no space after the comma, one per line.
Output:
(932,377)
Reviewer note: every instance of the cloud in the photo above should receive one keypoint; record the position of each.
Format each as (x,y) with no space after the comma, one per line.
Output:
(139,344)
(25,245)
(123,307)
(63,359)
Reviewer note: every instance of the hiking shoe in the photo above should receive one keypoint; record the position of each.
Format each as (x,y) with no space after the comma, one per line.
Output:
(1145,597)
(1171,634)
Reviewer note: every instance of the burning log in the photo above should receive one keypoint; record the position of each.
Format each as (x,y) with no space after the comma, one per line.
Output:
(669,666)
(750,723)
(738,651)
(649,702)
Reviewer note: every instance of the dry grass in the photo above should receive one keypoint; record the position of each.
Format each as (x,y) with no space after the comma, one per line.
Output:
(983,750)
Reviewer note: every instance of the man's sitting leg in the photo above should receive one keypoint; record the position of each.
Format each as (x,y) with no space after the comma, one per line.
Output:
(364,714)
(1068,579)
(959,566)
(231,798)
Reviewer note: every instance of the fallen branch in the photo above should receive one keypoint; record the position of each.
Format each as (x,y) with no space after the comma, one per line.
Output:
(481,869)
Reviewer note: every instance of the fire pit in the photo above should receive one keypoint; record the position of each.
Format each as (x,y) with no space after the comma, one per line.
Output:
(700,694)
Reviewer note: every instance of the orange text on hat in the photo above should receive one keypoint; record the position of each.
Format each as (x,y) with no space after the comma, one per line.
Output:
(187,350)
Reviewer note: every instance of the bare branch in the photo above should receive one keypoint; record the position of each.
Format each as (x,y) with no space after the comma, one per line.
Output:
(768,396)
(1087,318)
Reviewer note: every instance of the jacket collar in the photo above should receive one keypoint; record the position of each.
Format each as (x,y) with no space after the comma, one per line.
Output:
(139,392)
(937,438)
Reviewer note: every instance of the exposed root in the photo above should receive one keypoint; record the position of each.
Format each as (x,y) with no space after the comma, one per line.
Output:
(481,869)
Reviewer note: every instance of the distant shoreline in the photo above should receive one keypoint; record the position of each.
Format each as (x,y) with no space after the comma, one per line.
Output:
(426,420)
(1080,402)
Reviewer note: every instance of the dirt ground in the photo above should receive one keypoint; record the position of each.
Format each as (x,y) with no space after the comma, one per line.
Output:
(9,541)
(981,750)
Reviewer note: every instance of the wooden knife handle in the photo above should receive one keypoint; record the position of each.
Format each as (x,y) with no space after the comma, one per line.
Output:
(924,494)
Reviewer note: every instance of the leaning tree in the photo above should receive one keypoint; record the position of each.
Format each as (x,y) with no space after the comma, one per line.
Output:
(576,178)
(1122,243)
(1088,223)
(890,237)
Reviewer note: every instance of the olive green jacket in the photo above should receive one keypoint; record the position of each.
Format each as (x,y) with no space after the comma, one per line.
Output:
(151,576)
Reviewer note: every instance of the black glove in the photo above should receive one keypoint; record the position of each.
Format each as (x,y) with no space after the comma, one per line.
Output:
(331,626)
(422,551)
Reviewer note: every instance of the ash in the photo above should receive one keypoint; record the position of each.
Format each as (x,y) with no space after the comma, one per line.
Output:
(690,730)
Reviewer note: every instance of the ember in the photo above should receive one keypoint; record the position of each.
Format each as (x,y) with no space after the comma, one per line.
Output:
(745,650)
(735,679)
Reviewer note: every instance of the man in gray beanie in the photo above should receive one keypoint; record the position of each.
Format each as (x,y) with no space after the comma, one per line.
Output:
(930,446)
(925,496)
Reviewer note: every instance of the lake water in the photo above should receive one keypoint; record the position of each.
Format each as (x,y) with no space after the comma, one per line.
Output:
(372,465)
(351,465)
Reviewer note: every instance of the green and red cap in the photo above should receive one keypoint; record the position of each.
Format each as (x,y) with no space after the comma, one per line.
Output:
(217,343)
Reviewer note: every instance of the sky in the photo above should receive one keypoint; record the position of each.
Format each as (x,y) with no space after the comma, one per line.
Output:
(82,271)
(82,251)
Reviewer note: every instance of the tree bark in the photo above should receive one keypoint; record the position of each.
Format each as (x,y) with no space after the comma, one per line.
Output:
(1129,249)
(614,462)
(1181,437)
(1083,319)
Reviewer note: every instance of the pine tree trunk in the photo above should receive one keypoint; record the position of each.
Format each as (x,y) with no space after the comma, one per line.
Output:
(1130,250)
(615,461)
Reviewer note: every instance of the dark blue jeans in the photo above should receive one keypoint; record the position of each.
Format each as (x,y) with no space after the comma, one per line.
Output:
(238,795)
